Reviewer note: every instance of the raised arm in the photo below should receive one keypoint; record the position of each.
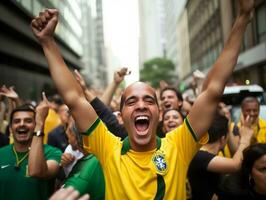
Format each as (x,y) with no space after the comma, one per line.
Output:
(229,165)
(102,110)
(38,165)
(201,114)
(43,27)
(119,75)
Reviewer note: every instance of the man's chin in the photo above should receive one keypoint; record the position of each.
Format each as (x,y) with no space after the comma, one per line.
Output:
(23,142)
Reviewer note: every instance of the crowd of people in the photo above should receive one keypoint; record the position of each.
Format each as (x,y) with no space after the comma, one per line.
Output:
(149,144)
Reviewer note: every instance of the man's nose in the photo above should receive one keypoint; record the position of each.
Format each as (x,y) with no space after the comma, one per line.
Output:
(21,123)
(141,105)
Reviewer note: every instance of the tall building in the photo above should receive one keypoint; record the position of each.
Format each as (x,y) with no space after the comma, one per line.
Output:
(151,36)
(93,44)
(205,32)
(100,47)
(173,10)
(184,68)
(209,24)
(22,62)
(251,66)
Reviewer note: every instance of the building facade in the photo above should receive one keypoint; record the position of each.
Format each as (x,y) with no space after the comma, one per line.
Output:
(183,46)
(251,66)
(209,24)
(22,62)
(151,37)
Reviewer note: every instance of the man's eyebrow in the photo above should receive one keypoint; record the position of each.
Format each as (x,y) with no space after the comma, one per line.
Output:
(149,96)
(130,97)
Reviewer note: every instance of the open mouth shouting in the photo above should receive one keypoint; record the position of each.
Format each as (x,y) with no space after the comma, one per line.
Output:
(167,106)
(171,126)
(142,123)
(22,132)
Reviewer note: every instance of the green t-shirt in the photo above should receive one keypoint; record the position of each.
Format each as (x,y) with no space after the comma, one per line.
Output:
(16,183)
(87,177)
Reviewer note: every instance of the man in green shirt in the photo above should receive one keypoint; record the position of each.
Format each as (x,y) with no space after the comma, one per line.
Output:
(87,178)
(27,167)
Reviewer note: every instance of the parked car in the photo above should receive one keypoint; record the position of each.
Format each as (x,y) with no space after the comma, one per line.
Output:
(233,96)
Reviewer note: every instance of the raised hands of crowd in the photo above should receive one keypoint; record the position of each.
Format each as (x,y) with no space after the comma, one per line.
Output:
(9,92)
(246,7)
(246,131)
(13,99)
(43,26)
(42,111)
(120,74)
(81,81)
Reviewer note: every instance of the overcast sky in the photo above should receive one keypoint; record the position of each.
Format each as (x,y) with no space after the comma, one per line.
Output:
(121,29)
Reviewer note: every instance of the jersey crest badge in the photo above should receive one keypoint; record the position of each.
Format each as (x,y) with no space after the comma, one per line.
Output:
(160,163)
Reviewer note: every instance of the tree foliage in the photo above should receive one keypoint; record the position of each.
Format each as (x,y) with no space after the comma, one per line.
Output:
(158,69)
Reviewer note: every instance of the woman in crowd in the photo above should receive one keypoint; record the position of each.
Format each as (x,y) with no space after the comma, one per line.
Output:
(250,182)
(172,118)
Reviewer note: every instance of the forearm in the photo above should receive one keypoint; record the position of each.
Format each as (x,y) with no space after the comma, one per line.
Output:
(61,75)
(107,96)
(89,95)
(233,142)
(238,156)
(37,163)
(106,115)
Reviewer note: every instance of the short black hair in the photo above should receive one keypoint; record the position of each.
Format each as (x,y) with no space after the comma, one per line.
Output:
(23,108)
(178,94)
(56,98)
(218,129)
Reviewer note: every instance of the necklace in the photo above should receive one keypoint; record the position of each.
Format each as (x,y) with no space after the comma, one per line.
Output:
(19,161)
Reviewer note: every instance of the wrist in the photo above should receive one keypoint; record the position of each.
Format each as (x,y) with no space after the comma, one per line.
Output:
(38,133)
(244,142)
(39,126)
(48,41)
(245,16)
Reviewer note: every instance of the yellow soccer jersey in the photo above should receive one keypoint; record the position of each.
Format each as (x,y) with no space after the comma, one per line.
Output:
(259,131)
(157,174)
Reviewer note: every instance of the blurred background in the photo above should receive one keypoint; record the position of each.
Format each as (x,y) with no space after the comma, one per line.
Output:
(159,40)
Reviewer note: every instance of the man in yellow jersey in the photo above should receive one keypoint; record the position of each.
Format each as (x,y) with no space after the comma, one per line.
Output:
(251,106)
(142,166)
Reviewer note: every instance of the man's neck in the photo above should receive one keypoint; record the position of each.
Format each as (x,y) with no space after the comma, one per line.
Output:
(21,147)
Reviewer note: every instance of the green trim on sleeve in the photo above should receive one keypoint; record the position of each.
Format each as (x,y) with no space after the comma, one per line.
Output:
(194,135)
(160,188)
(93,126)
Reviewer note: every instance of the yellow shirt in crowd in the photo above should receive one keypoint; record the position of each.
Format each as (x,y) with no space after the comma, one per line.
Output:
(157,174)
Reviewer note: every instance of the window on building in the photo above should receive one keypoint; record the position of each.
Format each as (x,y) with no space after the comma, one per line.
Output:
(27,5)
(37,7)
(261,23)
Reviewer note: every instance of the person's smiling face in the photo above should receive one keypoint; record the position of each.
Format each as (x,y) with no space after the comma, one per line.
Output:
(140,114)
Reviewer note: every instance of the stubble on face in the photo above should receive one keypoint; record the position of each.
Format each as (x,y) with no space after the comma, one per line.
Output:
(22,127)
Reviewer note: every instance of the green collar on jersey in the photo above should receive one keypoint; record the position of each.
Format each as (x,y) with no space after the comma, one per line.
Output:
(126,145)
